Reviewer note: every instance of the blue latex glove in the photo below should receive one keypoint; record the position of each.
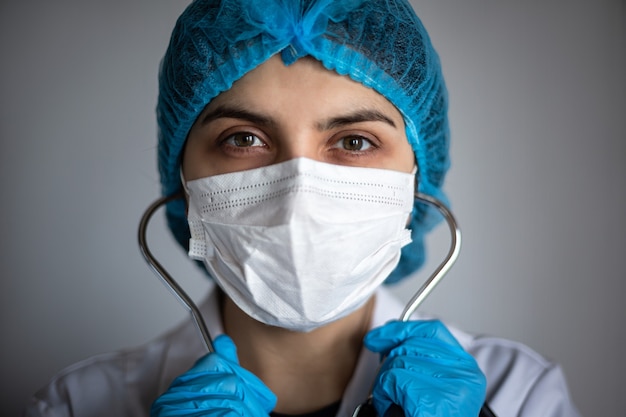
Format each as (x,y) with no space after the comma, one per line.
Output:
(216,386)
(426,371)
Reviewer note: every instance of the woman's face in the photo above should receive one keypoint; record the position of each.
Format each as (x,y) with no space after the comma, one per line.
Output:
(276,113)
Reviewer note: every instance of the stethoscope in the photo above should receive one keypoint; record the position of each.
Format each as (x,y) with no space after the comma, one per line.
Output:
(366,409)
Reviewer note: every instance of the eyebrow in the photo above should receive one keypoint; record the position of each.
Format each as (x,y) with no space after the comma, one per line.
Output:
(221,112)
(357,116)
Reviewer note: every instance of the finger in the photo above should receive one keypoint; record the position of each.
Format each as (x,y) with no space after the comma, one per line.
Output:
(452,371)
(385,338)
(203,407)
(263,396)
(433,350)
(215,391)
(416,394)
(226,348)
(212,363)
(227,385)
(427,389)
(212,373)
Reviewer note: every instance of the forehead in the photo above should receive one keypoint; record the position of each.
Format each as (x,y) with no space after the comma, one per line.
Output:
(304,85)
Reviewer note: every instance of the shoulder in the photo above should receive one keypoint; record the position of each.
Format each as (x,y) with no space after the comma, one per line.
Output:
(123,383)
(88,388)
(520,381)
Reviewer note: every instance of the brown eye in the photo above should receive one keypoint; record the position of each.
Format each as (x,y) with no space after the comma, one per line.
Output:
(243,140)
(354,143)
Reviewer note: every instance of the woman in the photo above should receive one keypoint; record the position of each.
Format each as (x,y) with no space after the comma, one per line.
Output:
(297,132)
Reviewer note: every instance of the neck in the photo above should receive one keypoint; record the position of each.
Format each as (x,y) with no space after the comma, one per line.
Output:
(306,371)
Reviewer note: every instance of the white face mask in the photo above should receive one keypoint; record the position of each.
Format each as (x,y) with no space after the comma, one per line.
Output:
(301,243)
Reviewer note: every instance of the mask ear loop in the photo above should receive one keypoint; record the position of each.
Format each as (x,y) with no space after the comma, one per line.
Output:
(167,279)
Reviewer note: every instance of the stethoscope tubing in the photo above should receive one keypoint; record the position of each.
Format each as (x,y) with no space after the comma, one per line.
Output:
(366,409)
(443,268)
(162,273)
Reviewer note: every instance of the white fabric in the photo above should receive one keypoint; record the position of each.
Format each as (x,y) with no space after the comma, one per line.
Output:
(295,247)
(124,384)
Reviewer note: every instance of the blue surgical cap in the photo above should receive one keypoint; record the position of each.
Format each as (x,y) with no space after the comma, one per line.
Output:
(379,43)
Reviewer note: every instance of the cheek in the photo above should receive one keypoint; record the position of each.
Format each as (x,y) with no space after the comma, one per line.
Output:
(195,160)
(404,157)
(187,160)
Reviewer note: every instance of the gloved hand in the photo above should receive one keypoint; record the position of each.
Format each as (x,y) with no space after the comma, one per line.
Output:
(426,371)
(216,386)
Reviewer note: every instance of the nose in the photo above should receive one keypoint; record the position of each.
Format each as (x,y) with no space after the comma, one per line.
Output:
(302,144)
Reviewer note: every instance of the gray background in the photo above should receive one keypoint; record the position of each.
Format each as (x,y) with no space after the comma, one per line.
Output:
(537,111)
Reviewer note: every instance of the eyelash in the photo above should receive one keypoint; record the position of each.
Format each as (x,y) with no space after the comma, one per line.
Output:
(245,135)
(337,143)
(227,141)
(364,142)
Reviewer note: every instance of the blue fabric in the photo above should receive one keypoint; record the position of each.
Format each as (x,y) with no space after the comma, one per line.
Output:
(216,386)
(425,371)
(381,44)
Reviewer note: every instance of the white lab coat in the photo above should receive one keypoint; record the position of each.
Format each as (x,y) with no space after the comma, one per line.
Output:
(124,384)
